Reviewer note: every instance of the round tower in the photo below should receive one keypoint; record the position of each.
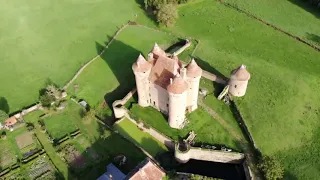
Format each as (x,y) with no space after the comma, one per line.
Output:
(156,50)
(194,73)
(239,81)
(142,69)
(177,101)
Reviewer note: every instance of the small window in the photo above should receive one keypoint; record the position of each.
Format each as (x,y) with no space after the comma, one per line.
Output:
(235,86)
(154,103)
(167,105)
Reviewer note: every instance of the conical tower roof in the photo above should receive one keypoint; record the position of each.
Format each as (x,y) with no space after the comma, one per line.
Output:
(178,86)
(141,65)
(157,50)
(193,70)
(240,74)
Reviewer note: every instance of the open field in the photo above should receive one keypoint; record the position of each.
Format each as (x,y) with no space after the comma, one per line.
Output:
(294,16)
(281,107)
(145,140)
(208,130)
(111,77)
(43,40)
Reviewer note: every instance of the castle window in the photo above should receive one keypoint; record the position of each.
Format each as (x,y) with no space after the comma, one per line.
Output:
(154,103)
(235,86)
(167,105)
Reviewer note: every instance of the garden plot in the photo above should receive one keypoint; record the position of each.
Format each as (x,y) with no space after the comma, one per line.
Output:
(27,143)
(72,156)
(41,167)
(7,155)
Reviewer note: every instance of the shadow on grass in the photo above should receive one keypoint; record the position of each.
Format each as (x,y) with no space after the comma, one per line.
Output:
(147,12)
(313,37)
(308,6)
(92,163)
(4,106)
(207,67)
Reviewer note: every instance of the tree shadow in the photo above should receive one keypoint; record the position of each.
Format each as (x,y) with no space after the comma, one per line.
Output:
(313,37)
(4,106)
(308,6)
(147,12)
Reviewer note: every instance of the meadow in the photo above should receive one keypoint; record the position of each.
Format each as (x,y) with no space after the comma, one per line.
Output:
(295,16)
(280,107)
(49,40)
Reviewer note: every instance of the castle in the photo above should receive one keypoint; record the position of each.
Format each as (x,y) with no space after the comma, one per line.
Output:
(165,84)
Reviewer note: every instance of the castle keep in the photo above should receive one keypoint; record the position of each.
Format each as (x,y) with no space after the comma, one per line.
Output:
(163,83)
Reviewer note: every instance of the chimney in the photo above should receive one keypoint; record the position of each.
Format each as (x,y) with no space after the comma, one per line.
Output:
(183,72)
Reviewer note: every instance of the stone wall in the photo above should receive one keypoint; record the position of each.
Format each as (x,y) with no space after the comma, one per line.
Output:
(208,155)
(118,109)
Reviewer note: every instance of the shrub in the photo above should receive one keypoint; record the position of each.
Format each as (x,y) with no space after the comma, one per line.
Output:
(167,14)
(271,167)
(3,116)
(3,135)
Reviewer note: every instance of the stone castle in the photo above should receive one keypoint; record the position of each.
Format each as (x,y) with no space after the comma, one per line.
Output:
(165,84)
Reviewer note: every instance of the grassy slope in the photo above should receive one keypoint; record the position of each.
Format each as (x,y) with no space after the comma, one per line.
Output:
(49,39)
(146,141)
(281,102)
(113,70)
(294,16)
(207,129)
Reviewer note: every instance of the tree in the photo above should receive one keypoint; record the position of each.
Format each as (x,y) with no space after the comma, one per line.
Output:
(3,135)
(46,99)
(271,167)
(167,14)
(3,116)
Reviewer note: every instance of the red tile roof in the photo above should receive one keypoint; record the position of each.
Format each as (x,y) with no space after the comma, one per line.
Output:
(11,121)
(178,85)
(164,68)
(148,170)
(193,70)
(141,65)
(240,74)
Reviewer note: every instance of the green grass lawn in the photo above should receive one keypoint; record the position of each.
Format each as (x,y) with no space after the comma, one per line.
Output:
(33,117)
(145,140)
(111,76)
(294,16)
(62,123)
(208,130)
(43,40)
(281,107)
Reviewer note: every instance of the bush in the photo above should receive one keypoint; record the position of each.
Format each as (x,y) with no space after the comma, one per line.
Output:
(3,116)
(271,167)
(3,135)
(167,14)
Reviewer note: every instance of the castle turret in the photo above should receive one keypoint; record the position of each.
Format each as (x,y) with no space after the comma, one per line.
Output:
(142,69)
(194,73)
(177,101)
(157,51)
(239,81)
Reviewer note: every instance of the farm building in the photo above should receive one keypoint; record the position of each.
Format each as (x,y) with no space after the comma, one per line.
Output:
(9,123)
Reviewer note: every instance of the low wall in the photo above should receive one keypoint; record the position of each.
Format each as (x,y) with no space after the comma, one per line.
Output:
(179,51)
(118,109)
(169,143)
(208,155)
